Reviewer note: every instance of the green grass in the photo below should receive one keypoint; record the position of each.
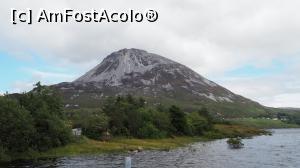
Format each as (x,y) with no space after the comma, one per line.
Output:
(117,145)
(238,130)
(263,123)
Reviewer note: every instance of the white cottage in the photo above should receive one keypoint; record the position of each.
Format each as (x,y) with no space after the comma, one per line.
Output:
(77,131)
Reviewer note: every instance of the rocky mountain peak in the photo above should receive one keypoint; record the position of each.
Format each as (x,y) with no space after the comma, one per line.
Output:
(124,62)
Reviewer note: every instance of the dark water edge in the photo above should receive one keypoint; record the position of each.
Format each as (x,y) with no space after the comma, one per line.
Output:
(280,150)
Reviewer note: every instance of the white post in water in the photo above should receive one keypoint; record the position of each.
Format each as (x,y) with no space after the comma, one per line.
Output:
(127,162)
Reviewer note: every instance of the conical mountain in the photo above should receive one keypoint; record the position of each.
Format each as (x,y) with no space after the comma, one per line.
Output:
(160,80)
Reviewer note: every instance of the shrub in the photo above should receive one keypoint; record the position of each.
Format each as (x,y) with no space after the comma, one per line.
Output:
(94,125)
(214,135)
(197,124)
(150,131)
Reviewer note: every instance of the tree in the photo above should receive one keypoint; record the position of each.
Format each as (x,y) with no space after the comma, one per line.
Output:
(125,114)
(197,124)
(161,120)
(32,121)
(94,125)
(148,130)
(205,113)
(135,119)
(115,110)
(15,126)
(129,116)
(45,107)
(178,120)
(141,102)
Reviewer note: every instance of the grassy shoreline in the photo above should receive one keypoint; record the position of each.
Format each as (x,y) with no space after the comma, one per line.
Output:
(263,123)
(85,146)
(120,145)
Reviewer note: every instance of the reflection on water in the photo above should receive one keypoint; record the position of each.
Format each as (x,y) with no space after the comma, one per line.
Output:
(280,150)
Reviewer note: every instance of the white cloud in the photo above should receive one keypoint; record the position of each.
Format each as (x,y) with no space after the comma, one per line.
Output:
(210,36)
(286,100)
(280,90)
(22,86)
(201,34)
(45,77)
(49,76)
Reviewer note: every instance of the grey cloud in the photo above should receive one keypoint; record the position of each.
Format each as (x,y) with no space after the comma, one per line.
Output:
(209,36)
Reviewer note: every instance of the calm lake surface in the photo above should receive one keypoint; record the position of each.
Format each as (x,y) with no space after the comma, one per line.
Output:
(282,149)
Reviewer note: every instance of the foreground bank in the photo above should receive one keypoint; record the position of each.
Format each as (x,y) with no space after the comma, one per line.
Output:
(85,146)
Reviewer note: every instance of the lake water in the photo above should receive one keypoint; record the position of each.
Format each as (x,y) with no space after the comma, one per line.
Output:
(282,149)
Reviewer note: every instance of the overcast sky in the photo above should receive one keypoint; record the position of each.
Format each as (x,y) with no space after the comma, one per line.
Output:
(250,47)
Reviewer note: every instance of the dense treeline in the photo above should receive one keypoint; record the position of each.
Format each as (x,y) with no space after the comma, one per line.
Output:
(131,117)
(36,121)
(33,122)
